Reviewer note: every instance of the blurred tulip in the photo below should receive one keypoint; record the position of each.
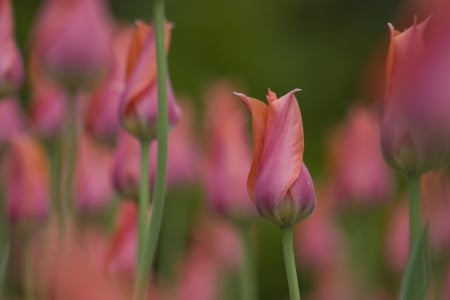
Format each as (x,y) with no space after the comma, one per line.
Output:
(226,165)
(121,258)
(139,104)
(93,188)
(279,181)
(102,118)
(11,66)
(26,179)
(397,239)
(436,208)
(415,131)
(126,166)
(359,172)
(12,120)
(71,42)
(183,152)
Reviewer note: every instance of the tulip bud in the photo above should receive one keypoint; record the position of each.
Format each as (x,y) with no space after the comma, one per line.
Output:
(360,174)
(72,42)
(26,180)
(415,131)
(12,120)
(93,188)
(139,104)
(227,164)
(279,182)
(11,67)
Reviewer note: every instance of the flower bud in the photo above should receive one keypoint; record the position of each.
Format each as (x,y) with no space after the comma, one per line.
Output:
(26,181)
(11,66)
(71,42)
(279,181)
(415,131)
(139,104)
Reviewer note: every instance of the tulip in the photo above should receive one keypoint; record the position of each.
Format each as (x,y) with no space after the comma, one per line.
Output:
(93,189)
(227,164)
(102,119)
(121,258)
(396,249)
(126,166)
(71,42)
(12,120)
(11,66)
(138,108)
(359,172)
(415,131)
(26,178)
(279,182)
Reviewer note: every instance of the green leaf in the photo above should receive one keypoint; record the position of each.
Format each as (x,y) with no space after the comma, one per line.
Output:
(416,277)
(4,257)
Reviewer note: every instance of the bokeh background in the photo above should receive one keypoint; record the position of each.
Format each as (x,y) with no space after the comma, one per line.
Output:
(331,49)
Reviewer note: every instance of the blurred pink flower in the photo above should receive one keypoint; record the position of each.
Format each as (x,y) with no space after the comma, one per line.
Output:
(279,182)
(397,239)
(93,188)
(126,166)
(12,120)
(139,103)
(71,41)
(359,173)
(26,179)
(121,257)
(228,156)
(11,66)
(102,118)
(415,130)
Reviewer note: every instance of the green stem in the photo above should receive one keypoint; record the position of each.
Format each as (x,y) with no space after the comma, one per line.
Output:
(415,223)
(55,153)
(28,271)
(70,152)
(287,236)
(144,194)
(161,166)
(247,275)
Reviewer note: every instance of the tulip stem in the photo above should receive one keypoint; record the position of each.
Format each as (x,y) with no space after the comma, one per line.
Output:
(415,223)
(247,274)
(287,235)
(144,194)
(70,152)
(55,155)
(161,165)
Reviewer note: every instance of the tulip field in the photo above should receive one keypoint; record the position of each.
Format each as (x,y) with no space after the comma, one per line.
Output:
(234,150)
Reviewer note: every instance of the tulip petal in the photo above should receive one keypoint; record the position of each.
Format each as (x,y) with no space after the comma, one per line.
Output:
(282,153)
(258,111)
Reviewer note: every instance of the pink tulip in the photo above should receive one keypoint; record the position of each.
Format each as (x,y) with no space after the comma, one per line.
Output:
(397,239)
(26,178)
(139,104)
(71,41)
(93,188)
(126,166)
(359,172)
(121,259)
(12,120)
(415,131)
(11,66)
(102,118)
(279,182)
(226,164)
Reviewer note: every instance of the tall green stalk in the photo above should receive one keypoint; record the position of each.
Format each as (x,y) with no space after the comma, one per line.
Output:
(55,156)
(70,152)
(287,235)
(247,274)
(415,224)
(144,194)
(161,166)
